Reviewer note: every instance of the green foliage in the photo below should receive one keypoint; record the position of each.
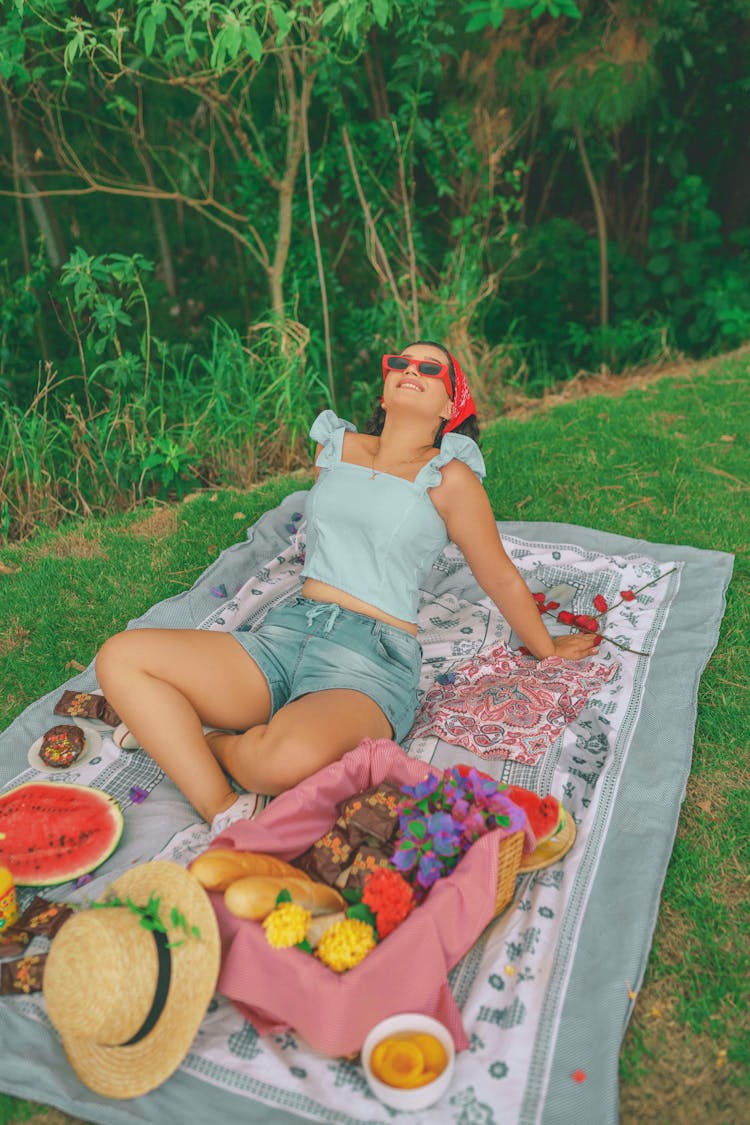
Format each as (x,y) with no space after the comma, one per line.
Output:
(491,13)
(103,289)
(19,314)
(121,428)
(440,160)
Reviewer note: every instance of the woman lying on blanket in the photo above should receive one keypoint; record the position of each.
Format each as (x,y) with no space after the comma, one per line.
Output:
(341,663)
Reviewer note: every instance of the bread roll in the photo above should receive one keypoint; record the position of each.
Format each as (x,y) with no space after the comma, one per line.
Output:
(254,896)
(316,927)
(218,868)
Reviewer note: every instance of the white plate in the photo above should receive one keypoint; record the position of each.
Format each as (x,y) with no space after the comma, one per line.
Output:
(92,744)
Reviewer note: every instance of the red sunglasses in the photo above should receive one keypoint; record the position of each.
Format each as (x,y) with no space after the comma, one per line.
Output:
(428,367)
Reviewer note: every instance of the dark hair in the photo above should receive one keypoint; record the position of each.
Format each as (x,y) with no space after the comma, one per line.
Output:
(469,426)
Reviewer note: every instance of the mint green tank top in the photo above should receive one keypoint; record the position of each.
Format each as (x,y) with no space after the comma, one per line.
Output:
(377,537)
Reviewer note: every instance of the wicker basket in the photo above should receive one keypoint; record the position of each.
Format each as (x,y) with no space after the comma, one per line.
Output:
(509,859)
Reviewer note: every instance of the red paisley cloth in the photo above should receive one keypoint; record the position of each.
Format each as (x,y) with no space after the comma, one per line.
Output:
(503,705)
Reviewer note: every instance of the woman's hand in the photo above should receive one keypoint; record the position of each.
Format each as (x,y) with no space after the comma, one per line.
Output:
(576,646)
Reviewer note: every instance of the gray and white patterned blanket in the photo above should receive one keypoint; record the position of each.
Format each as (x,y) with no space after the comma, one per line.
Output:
(546,992)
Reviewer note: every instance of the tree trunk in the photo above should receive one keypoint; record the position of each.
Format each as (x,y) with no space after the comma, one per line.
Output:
(601,230)
(39,208)
(297,106)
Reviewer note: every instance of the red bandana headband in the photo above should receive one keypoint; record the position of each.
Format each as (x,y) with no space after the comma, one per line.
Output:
(463,403)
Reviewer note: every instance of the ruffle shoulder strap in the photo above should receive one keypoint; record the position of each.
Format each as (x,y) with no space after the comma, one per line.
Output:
(454,447)
(328,430)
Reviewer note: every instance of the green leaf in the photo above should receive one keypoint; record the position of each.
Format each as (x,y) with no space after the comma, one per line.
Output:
(72,49)
(253,43)
(149,35)
(283,896)
(362,913)
(418,829)
(380,10)
(330,13)
(232,34)
(304,945)
(660,264)
(479,21)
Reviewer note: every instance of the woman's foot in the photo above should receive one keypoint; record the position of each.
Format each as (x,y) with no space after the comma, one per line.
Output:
(245,807)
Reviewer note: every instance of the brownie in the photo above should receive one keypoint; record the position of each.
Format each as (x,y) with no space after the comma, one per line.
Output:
(23,976)
(43,918)
(79,705)
(326,858)
(13,941)
(366,860)
(84,705)
(109,715)
(62,746)
(373,813)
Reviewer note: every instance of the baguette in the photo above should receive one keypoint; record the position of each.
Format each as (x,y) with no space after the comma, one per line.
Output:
(217,868)
(317,926)
(254,896)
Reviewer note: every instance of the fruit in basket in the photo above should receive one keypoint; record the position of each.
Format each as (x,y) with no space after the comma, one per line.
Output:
(544,814)
(407,1060)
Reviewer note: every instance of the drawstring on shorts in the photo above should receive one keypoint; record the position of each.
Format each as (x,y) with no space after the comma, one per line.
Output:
(314,611)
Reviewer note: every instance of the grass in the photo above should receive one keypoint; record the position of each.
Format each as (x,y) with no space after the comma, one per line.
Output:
(669,461)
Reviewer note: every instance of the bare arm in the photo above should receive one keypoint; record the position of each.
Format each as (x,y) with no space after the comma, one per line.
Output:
(465,508)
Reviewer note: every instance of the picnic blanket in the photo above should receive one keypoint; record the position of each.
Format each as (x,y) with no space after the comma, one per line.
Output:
(546,992)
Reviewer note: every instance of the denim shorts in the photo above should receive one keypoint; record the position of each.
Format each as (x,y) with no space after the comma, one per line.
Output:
(316,646)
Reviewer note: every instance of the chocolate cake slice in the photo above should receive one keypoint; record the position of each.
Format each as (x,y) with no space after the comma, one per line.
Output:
(62,746)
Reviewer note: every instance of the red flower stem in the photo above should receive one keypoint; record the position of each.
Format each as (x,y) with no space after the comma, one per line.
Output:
(610,640)
(605,638)
(640,589)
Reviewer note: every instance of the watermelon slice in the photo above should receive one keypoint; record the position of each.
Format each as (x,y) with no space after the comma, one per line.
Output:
(53,832)
(544,813)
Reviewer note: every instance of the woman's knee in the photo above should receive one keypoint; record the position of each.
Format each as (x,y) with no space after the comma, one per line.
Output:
(113,657)
(278,760)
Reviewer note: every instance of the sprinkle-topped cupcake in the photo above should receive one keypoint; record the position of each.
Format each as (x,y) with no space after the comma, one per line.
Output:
(62,746)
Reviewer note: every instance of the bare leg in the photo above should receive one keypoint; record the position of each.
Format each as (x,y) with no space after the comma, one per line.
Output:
(164,683)
(301,738)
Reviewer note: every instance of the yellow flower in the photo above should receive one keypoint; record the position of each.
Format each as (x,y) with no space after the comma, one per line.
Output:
(345,944)
(286,925)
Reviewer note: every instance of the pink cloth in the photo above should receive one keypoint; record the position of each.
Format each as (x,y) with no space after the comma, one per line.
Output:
(504,705)
(407,972)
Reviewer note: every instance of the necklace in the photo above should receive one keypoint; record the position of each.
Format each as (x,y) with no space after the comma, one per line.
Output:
(404,461)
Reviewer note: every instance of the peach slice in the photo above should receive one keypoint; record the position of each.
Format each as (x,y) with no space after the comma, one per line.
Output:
(433,1052)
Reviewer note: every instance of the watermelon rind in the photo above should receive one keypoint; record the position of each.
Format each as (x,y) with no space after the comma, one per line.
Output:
(53,832)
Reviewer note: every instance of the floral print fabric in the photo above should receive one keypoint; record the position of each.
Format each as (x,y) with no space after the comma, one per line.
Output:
(504,705)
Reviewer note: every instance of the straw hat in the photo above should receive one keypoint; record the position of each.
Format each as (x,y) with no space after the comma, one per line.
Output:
(127,1006)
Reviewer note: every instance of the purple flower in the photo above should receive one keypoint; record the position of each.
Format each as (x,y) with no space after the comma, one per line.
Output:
(474,825)
(446,843)
(138,795)
(423,788)
(461,809)
(430,870)
(82,880)
(219,591)
(403,859)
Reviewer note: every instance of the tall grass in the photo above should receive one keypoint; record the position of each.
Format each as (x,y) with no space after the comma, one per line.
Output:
(104,442)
